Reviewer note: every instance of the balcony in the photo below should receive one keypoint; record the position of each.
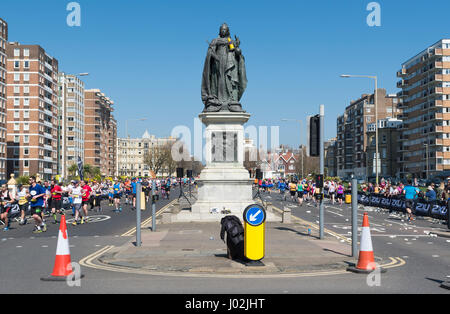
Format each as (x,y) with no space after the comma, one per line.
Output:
(438,52)
(402,83)
(401,73)
(402,94)
(438,65)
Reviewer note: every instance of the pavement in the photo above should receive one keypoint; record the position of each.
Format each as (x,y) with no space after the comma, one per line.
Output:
(445,233)
(195,249)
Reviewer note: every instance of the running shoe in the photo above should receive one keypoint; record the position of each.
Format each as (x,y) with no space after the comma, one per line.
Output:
(44,228)
(37,230)
(6,229)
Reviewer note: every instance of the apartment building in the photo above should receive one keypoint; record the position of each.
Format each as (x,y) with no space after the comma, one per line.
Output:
(70,122)
(388,148)
(32,111)
(131,152)
(112,147)
(351,142)
(3,99)
(100,129)
(330,158)
(425,136)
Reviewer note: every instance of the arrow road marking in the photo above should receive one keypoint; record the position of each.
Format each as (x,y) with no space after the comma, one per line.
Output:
(253,217)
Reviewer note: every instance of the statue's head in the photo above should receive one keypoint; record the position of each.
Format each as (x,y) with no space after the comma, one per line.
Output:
(224,31)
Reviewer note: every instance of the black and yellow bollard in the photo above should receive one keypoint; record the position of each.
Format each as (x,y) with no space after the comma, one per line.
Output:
(254,234)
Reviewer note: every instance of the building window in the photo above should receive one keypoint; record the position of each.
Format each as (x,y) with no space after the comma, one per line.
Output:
(16,52)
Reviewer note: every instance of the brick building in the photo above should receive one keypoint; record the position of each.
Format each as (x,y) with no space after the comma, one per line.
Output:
(425,136)
(3,99)
(32,112)
(351,142)
(100,132)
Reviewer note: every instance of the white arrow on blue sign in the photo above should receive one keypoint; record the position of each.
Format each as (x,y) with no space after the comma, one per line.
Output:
(255,215)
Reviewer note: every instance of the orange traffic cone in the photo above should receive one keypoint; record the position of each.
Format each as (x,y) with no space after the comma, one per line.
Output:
(366,260)
(63,267)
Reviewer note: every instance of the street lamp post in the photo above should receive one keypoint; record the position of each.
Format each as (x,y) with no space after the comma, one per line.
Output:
(301,145)
(376,117)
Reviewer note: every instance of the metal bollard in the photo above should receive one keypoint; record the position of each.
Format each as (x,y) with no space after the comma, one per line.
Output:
(138,213)
(354,217)
(153,206)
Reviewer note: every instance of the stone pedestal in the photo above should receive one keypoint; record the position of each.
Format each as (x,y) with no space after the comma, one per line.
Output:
(224,183)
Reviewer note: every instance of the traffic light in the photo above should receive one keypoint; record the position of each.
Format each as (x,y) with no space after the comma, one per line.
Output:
(314,136)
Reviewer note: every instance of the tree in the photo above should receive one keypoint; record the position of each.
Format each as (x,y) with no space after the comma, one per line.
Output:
(159,158)
(252,159)
(73,170)
(310,165)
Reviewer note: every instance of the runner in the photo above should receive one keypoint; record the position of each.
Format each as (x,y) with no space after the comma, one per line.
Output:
(332,191)
(411,193)
(6,199)
(86,198)
(300,193)
(293,190)
(117,187)
(133,192)
(282,187)
(340,193)
(21,197)
(37,193)
(77,201)
(97,196)
(168,188)
(56,195)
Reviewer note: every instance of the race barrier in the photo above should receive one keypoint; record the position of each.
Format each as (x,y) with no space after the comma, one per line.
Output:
(421,207)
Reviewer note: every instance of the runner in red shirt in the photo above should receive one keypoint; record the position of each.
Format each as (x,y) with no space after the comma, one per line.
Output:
(56,194)
(85,199)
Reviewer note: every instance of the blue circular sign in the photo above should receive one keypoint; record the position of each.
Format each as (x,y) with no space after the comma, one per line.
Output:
(254,215)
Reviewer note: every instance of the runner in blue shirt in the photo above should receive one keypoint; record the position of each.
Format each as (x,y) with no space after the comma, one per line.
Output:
(282,186)
(133,192)
(117,190)
(411,193)
(37,193)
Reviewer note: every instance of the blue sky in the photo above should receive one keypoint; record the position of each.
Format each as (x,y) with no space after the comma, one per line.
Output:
(148,55)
